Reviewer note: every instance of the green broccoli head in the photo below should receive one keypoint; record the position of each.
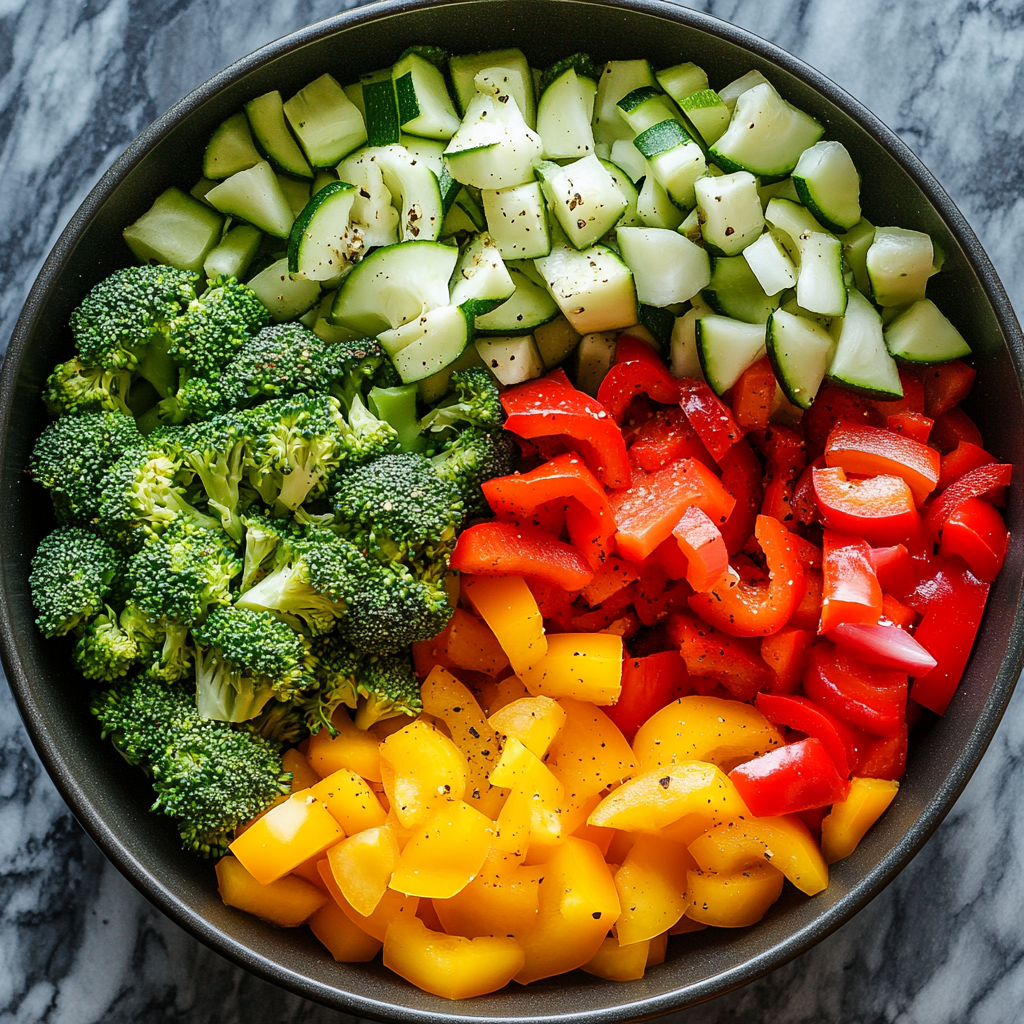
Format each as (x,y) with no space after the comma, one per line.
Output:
(105,650)
(335,667)
(73,454)
(210,777)
(474,456)
(475,402)
(74,387)
(73,572)
(283,723)
(350,368)
(387,688)
(364,436)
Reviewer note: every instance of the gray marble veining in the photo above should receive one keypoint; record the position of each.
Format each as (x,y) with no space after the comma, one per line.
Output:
(78,80)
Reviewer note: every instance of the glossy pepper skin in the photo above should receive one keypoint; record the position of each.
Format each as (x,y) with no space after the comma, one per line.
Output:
(851,591)
(709,416)
(803,715)
(870,451)
(637,371)
(879,509)
(976,532)
(988,482)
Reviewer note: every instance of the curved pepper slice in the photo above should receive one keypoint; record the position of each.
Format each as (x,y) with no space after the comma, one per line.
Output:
(946,385)
(733,661)
(850,819)
(741,477)
(805,716)
(976,532)
(709,416)
(962,459)
(753,394)
(543,408)
(984,482)
(880,509)
(666,437)
(870,451)
(626,380)
(500,549)
(700,540)
(851,592)
(953,427)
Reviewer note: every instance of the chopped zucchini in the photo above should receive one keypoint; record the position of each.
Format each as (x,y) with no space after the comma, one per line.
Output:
(675,160)
(861,361)
(177,230)
(372,207)
(464,70)
(424,106)
(800,351)
(518,221)
(481,280)
(323,243)
(828,185)
(583,198)
(618,78)
(563,118)
(899,263)
(285,297)
(273,136)
(735,292)
(527,306)
(233,254)
(726,348)
(707,112)
(730,212)
(666,267)
(770,264)
(428,343)
(921,334)
(593,288)
(325,121)
(683,80)
(556,341)
(230,149)
(256,196)
(511,358)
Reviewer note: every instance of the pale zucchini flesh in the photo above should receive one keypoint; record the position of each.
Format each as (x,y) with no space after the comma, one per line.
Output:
(667,268)
(828,185)
(427,344)
(256,196)
(563,118)
(177,230)
(707,112)
(464,69)
(285,297)
(899,263)
(735,292)
(481,280)
(424,106)
(799,350)
(922,334)
(233,253)
(323,243)
(820,287)
(527,306)
(518,221)
(726,348)
(274,137)
(770,264)
(730,212)
(511,358)
(861,361)
(326,122)
(583,197)
(683,80)
(593,288)
(230,149)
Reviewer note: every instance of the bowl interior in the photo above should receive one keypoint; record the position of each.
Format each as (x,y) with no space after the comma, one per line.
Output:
(111,799)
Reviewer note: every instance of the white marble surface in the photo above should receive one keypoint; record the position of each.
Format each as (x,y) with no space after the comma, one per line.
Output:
(78,80)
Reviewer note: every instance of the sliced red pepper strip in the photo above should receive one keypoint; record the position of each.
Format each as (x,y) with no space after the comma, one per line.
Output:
(709,416)
(808,611)
(885,758)
(611,576)
(732,661)
(961,460)
(646,513)
(654,601)
(626,381)
(986,482)
(888,646)
(741,477)
(913,395)
(543,408)
(631,349)
(558,376)
(868,451)
(785,653)
(741,609)
(700,540)
(648,685)
(952,427)
(783,449)
(851,592)
(805,716)
(669,556)
(897,613)
(880,509)
(667,437)
(553,602)
(865,696)
(894,568)
(976,532)
(790,779)
(505,549)
(834,405)
(946,385)
(914,425)
(803,503)
(752,395)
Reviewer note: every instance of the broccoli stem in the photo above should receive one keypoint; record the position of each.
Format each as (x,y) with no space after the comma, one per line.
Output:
(397,406)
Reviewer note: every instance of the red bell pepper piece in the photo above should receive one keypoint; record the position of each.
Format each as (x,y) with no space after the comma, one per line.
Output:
(913,395)
(947,632)
(709,416)
(500,549)
(810,554)
(896,613)
(631,349)
(668,555)
(834,405)
(611,576)
(732,661)
(655,599)
(961,460)
(648,685)
(862,695)
(851,590)
(789,779)
(914,425)
(888,646)
(625,381)
(647,512)
(952,427)
(894,569)
(885,758)
(553,602)
(808,611)
(867,451)
(700,540)
(785,653)
(543,408)
(558,376)
(805,716)
(880,509)
(667,437)
(740,609)
(946,385)
(988,482)
(602,617)
(783,449)
(976,532)
(741,477)
(753,394)
(803,502)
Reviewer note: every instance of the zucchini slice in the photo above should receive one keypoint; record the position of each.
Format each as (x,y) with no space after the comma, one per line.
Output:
(707,112)
(667,267)
(556,341)
(726,348)
(325,121)
(177,229)
(372,207)
(414,192)
(921,334)
(856,243)
(622,181)
(799,350)
(517,219)
(683,80)
(380,108)
(645,107)
(512,359)
(230,149)
(735,292)
(527,307)
(730,212)
(431,152)
(269,128)
(738,86)
(513,63)
(464,216)
(828,185)
(593,288)
(861,361)
(820,286)
(233,254)
(674,159)
(256,196)
(428,343)
(563,118)
(424,106)
(583,198)
(684,359)
(618,78)
(323,243)
(481,280)
(625,155)
(285,297)
(654,206)
(770,264)
(899,263)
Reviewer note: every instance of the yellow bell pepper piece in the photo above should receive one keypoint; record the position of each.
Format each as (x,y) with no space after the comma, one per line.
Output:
(783,842)
(303,776)
(501,900)
(421,768)
(601,837)
(657,950)
(310,871)
(494,696)
(534,721)
(724,732)
(847,823)
(587,666)
(615,962)
(472,645)
(354,805)
(652,888)
(449,965)
(445,853)
(293,831)
(532,814)
(734,900)
(578,906)
(507,606)
(352,748)
(362,866)
(393,905)
(346,942)
(286,902)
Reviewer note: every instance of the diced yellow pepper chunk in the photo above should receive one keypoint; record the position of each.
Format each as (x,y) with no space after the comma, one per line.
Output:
(352,748)
(303,776)
(532,814)
(615,962)
(354,805)
(393,905)
(286,902)
(346,942)
(586,666)
(657,950)
(847,823)
(444,854)
(724,732)
(734,900)
(449,965)
(494,696)
(288,834)
(534,721)
(421,768)
(472,645)
(509,609)
(362,866)
(652,888)
(310,871)
(783,842)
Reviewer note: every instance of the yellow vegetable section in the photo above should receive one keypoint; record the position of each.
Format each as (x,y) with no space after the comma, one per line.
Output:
(350,800)
(420,769)
(735,900)
(847,823)
(347,942)
(286,902)
(362,866)
(534,721)
(652,888)
(615,962)
(509,609)
(587,666)
(532,815)
(501,900)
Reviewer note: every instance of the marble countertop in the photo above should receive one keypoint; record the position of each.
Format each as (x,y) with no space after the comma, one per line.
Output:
(78,945)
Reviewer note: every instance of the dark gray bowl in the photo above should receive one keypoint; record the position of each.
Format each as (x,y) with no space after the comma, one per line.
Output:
(111,800)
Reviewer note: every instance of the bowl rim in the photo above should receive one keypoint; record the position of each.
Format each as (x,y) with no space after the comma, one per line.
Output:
(156,891)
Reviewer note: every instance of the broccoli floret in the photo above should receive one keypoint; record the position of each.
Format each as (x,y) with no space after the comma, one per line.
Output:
(335,666)
(210,777)
(475,402)
(262,539)
(387,688)
(364,436)
(284,723)
(474,456)
(73,454)
(197,399)
(243,659)
(350,367)
(73,572)
(74,387)
(105,650)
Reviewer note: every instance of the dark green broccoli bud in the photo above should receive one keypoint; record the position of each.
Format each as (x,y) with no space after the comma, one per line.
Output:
(262,539)
(105,650)
(476,403)
(146,632)
(364,436)
(283,723)
(398,507)
(387,688)
(243,659)
(335,667)
(387,376)
(74,387)
(198,399)
(350,367)
(210,777)
(73,572)
(73,454)
(473,457)
(581,63)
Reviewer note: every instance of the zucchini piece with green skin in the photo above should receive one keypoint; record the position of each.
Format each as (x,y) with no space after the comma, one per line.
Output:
(464,216)
(380,109)
(325,121)
(464,69)
(629,217)
(556,341)
(683,80)
(856,243)
(618,78)
(781,189)
(431,152)
(230,149)
(659,323)
(285,297)
(433,388)
(427,344)
(645,107)
(922,334)
(735,292)
(899,263)
(414,192)
(667,267)
(730,212)
(583,198)
(674,159)
(738,86)
(790,220)
(372,207)
(581,63)
(684,359)
(820,286)
(323,242)
(233,254)
(563,121)
(481,280)
(518,221)
(828,185)
(726,348)
(177,230)
(707,112)
(527,307)
(513,359)
(593,288)
(800,351)
(593,358)
(424,106)
(255,195)
(766,135)
(654,206)
(393,285)
(273,136)
(861,361)
(323,177)
(625,155)
(770,264)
